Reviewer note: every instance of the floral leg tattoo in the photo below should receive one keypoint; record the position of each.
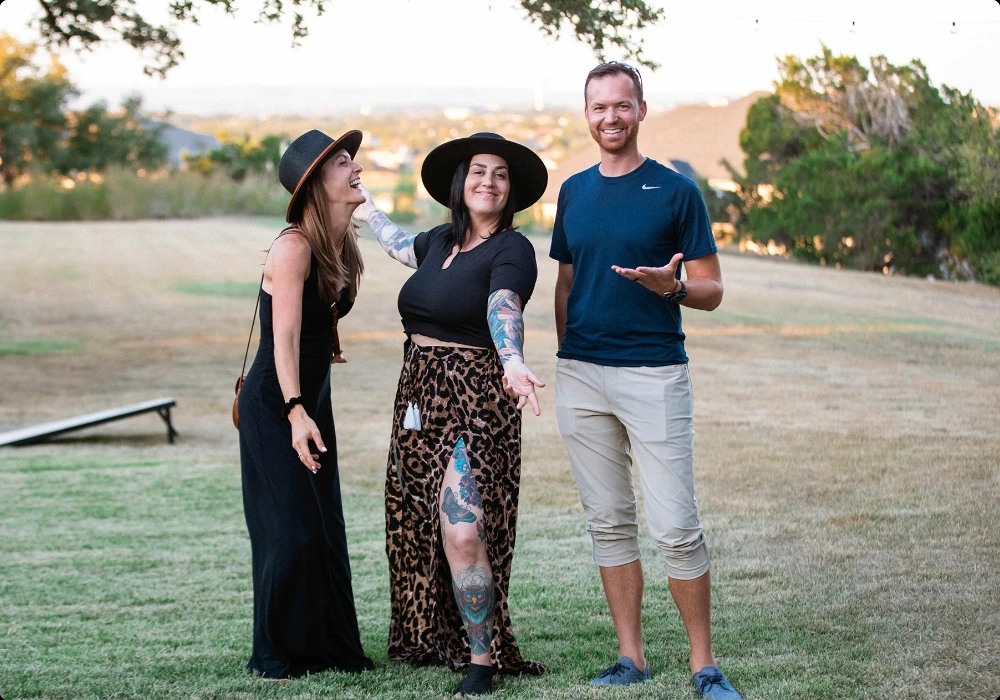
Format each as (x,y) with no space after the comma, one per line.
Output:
(475,597)
(456,512)
(462,458)
(467,483)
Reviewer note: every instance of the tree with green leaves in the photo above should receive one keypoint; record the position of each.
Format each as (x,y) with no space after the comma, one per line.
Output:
(98,139)
(873,168)
(404,198)
(32,105)
(239,158)
(39,132)
(978,183)
(84,24)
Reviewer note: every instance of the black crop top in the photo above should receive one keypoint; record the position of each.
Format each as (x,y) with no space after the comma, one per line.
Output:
(451,304)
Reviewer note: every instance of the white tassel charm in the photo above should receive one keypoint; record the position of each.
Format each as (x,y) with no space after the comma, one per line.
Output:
(412,419)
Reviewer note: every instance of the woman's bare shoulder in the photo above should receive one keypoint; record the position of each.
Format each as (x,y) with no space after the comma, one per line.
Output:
(291,242)
(290,252)
(291,247)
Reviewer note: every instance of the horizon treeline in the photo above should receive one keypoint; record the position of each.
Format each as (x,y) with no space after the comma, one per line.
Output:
(870,167)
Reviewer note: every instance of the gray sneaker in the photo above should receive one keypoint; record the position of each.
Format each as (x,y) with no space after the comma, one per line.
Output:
(711,682)
(622,672)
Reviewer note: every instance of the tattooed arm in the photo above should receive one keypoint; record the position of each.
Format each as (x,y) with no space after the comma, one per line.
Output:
(503,313)
(396,241)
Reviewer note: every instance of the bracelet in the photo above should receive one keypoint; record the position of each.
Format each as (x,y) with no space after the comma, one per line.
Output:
(292,403)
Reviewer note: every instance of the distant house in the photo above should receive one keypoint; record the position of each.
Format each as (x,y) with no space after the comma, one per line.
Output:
(181,142)
(684,168)
(393,160)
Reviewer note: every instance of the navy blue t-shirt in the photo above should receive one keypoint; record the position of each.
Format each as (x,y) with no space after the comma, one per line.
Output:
(640,219)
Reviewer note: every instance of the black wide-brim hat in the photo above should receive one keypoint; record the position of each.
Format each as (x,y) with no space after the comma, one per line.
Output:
(301,159)
(527,171)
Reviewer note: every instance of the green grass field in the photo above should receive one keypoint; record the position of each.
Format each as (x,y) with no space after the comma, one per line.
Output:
(848,467)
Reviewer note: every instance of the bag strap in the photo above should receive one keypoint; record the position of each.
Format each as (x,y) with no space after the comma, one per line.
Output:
(260,289)
(335,319)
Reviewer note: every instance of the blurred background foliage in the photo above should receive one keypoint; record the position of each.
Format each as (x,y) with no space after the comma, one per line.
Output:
(871,167)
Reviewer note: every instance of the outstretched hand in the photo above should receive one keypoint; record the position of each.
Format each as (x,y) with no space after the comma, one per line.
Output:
(364,211)
(520,382)
(661,280)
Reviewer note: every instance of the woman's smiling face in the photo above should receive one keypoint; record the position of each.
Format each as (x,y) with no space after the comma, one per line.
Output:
(487,185)
(341,178)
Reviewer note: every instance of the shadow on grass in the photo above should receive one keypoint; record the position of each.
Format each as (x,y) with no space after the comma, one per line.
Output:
(154,439)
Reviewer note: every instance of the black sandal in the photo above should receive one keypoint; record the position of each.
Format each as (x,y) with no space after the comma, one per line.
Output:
(478,681)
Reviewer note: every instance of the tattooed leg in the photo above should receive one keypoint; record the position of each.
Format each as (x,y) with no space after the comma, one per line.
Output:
(460,458)
(455,511)
(463,535)
(467,488)
(475,597)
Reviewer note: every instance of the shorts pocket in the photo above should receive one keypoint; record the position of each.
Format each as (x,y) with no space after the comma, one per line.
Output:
(659,402)
(566,417)
(652,418)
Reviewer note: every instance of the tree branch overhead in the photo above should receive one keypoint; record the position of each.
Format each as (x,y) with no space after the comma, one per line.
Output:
(603,25)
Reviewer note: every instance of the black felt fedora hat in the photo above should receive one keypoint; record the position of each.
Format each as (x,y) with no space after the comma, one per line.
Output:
(527,171)
(303,156)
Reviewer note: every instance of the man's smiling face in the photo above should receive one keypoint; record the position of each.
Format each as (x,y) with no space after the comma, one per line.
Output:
(613,112)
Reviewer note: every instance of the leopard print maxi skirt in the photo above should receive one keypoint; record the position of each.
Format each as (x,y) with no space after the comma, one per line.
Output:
(459,394)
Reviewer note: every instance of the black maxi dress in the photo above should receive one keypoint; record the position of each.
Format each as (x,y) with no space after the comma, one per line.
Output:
(304,620)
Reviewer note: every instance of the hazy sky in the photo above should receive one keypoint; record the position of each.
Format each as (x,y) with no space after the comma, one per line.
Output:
(703,47)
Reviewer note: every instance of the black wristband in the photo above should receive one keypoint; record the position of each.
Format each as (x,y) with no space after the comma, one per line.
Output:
(678,295)
(292,403)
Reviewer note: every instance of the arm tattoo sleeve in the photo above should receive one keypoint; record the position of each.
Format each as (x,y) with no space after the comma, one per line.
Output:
(397,242)
(506,324)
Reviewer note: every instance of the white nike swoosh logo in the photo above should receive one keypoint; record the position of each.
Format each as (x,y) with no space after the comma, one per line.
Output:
(647,187)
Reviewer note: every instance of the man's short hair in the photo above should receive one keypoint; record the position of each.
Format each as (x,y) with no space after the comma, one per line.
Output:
(614,68)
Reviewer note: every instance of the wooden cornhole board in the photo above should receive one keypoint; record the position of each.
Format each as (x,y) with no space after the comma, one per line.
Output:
(44,431)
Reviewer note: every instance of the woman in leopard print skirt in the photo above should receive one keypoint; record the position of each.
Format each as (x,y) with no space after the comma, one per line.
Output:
(455,458)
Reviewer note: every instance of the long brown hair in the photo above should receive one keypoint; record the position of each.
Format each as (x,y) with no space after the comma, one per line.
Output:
(339,270)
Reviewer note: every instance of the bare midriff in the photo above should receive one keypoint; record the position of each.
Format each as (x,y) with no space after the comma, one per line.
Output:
(425,340)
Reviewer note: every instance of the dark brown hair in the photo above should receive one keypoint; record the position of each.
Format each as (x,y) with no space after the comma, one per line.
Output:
(614,68)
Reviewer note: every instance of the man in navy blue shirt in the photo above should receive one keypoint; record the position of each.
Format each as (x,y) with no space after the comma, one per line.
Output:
(623,230)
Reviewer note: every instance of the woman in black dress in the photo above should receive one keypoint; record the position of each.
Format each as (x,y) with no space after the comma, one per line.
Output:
(455,459)
(304,619)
